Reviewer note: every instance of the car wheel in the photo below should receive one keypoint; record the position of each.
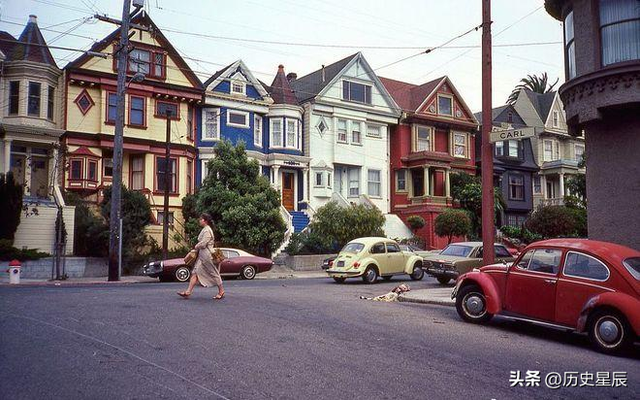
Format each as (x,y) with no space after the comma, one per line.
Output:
(609,331)
(165,278)
(444,280)
(471,305)
(418,273)
(387,278)
(370,275)
(339,280)
(182,274)
(248,272)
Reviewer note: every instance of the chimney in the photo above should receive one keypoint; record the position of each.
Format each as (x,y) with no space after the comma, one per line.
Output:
(33,19)
(292,76)
(323,76)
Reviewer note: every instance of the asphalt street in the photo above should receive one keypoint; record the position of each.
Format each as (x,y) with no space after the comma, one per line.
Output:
(285,339)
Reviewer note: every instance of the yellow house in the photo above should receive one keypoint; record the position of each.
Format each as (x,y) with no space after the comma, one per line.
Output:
(90,112)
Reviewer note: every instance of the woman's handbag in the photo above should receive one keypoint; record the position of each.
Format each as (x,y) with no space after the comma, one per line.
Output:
(191,258)
(217,256)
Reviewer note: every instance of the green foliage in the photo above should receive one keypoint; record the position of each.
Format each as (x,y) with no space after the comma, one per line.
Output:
(537,84)
(61,234)
(471,200)
(577,186)
(416,222)
(580,220)
(458,181)
(91,236)
(11,194)
(309,242)
(9,253)
(521,234)
(243,205)
(557,221)
(452,223)
(190,215)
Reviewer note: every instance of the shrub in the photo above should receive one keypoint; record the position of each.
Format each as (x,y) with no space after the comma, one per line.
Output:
(458,181)
(8,252)
(452,223)
(308,242)
(552,222)
(340,225)
(416,222)
(11,194)
(521,234)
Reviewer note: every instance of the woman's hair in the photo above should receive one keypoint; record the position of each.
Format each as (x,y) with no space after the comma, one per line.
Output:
(207,218)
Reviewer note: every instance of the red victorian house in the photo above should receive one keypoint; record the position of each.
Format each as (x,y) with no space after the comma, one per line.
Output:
(434,137)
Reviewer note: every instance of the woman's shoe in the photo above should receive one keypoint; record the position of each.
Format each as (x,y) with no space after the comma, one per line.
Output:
(184,294)
(219,296)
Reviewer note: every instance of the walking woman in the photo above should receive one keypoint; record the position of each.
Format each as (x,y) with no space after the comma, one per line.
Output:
(205,271)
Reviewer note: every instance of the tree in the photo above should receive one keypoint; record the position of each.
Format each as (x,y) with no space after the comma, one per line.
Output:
(416,222)
(452,223)
(577,186)
(537,84)
(11,193)
(471,200)
(343,224)
(243,205)
(552,221)
(458,181)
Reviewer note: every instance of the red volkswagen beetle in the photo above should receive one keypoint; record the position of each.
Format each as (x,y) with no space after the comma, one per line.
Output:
(577,284)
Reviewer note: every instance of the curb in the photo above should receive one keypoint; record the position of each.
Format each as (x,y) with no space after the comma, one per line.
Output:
(439,302)
(72,284)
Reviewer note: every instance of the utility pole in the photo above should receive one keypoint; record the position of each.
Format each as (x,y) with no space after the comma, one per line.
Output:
(167,183)
(488,213)
(116,185)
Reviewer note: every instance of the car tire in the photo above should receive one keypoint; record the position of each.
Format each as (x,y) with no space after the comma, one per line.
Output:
(182,274)
(471,305)
(443,280)
(610,332)
(370,275)
(165,278)
(387,278)
(417,273)
(339,280)
(248,272)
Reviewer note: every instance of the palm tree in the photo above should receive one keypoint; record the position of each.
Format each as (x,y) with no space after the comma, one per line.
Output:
(537,84)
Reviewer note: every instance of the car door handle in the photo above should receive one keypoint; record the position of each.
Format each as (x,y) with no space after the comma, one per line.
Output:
(550,281)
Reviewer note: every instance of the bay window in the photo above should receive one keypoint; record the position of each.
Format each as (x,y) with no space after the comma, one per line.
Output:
(33,104)
(423,138)
(276,132)
(50,102)
(75,169)
(516,187)
(401,180)
(579,152)
(292,133)
(257,130)
(460,145)
(513,146)
(14,97)
(570,45)
(619,30)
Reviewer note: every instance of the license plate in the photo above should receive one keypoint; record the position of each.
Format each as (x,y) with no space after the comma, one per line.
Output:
(340,264)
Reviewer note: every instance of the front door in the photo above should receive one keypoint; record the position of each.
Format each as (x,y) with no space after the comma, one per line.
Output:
(288,191)
(338,180)
(18,163)
(417,177)
(39,177)
(531,284)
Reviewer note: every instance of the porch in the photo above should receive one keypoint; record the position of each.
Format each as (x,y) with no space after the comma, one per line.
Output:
(429,184)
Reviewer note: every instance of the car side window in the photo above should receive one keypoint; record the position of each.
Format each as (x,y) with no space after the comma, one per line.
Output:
(393,248)
(545,260)
(524,260)
(377,248)
(502,252)
(583,266)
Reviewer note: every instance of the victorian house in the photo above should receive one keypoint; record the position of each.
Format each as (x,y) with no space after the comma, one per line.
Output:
(514,167)
(30,131)
(434,138)
(557,153)
(169,91)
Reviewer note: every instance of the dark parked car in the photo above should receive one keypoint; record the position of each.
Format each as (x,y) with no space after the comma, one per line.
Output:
(236,263)
(328,262)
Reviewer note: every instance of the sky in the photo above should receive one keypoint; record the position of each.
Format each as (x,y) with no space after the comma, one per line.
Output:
(342,27)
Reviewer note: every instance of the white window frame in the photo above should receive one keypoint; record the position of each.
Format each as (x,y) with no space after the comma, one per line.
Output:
(359,130)
(500,146)
(315,180)
(379,183)
(450,98)
(376,127)
(539,179)
(206,128)
(555,119)
(508,148)
(555,154)
(257,130)
(357,181)
(566,256)
(575,153)
(236,81)
(204,170)
(416,138)
(346,130)
(397,174)
(246,118)
(296,142)
(271,132)
(465,135)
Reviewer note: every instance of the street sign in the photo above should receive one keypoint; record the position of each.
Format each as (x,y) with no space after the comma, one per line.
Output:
(511,134)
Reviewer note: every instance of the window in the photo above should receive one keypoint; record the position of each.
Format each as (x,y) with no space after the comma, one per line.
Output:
(161,218)
(374,131)
(549,150)
(50,102)
(140,61)
(276,132)
(513,148)
(354,182)
(161,164)
(164,107)
(378,248)
(292,133)
(512,220)
(238,118)
(499,149)
(460,145)
(75,169)
(33,106)
(189,176)
(230,253)
(137,172)
(159,64)
(353,91)
(537,184)
(619,30)
(328,179)
(356,137)
(257,130)
(423,138)
(580,265)
(238,87)
(541,260)
(212,125)
(445,105)
(374,183)
(322,126)
(14,97)
(393,248)
(401,180)
(112,102)
(152,63)
(501,252)
(516,187)
(319,179)
(579,152)
(456,250)
(342,130)
(137,111)
(556,119)
(107,167)
(570,45)
(510,117)
(92,173)
(190,125)
(632,265)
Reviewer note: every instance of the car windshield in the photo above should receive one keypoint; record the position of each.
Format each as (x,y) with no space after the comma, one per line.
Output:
(352,248)
(633,266)
(456,250)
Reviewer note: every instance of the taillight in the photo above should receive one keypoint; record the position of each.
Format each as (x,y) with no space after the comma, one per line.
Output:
(356,264)
(330,263)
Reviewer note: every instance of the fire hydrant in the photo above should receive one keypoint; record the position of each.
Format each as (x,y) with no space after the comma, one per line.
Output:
(14,272)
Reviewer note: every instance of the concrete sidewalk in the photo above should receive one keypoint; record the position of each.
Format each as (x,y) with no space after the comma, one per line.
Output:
(440,296)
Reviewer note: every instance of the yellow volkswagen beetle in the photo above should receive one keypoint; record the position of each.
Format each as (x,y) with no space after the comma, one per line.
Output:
(372,257)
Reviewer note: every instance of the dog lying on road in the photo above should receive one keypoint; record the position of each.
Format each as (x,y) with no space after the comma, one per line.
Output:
(391,296)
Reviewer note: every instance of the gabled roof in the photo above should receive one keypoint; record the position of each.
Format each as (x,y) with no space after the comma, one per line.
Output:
(141,18)
(229,71)
(311,85)
(216,75)
(495,113)
(30,46)
(280,89)
(541,102)
(409,96)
